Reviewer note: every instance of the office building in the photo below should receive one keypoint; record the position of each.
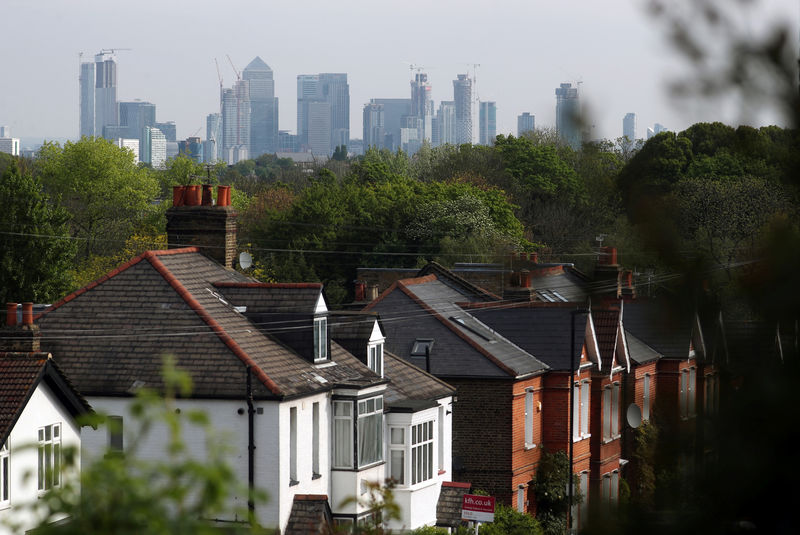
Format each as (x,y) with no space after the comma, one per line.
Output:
(169,130)
(213,135)
(525,123)
(568,115)
(657,129)
(410,130)
(192,148)
(445,124)
(287,142)
(86,89)
(105,92)
(462,97)
(5,131)
(629,126)
(422,105)
(487,122)
(209,151)
(374,129)
(9,145)
(130,144)
(236,122)
(154,149)
(315,94)
(263,108)
(394,109)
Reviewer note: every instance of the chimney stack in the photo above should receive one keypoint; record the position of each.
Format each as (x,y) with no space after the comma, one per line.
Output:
(361,291)
(194,220)
(520,288)
(24,338)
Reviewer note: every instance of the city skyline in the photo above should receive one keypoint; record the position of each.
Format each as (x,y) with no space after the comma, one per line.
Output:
(517,67)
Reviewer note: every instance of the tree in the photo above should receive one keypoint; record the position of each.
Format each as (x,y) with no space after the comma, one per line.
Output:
(98,183)
(36,251)
(551,489)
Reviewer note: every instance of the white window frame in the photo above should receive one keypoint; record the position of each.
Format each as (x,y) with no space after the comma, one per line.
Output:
(422,440)
(320,339)
(580,410)
(529,419)
(580,511)
(370,412)
(5,488)
(521,499)
(683,401)
(397,454)
(607,411)
(343,423)
(440,443)
(293,479)
(315,439)
(615,401)
(375,358)
(692,392)
(49,456)
(646,397)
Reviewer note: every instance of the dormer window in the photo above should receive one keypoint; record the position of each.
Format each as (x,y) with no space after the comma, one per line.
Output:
(320,339)
(375,358)
(421,347)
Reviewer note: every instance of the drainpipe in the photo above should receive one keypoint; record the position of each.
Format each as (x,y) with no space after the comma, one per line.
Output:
(570,481)
(428,358)
(251,447)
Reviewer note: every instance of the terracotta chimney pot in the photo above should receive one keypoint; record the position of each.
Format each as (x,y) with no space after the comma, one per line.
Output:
(11,314)
(27,313)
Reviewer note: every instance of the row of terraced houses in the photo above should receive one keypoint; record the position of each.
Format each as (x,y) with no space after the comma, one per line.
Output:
(440,380)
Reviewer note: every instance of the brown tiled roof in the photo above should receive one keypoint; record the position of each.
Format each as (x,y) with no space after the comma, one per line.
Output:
(411,384)
(112,334)
(272,297)
(19,375)
(448,508)
(606,326)
(310,515)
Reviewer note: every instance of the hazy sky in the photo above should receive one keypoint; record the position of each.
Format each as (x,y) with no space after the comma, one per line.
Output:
(525,49)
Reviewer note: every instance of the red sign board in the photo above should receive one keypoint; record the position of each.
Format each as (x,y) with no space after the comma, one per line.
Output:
(477,508)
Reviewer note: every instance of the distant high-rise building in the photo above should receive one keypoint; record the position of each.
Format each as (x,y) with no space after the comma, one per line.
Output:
(169,130)
(374,130)
(629,126)
(568,115)
(525,123)
(213,135)
(87,81)
(318,91)
(9,145)
(657,129)
(446,123)
(422,105)
(487,122)
(410,129)
(287,142)
(105,92)
(193,148)
(130,144)
(462,96)
(236,121)
(5,131)
(155,147)
(394,109)
(133,117)
(263,108)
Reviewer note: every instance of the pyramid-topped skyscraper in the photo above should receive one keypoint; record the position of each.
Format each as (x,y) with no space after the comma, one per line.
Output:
(263,108)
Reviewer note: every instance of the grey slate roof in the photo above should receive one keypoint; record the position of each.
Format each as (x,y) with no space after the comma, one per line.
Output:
(411,387)
(448,508)
(273,298)
(112,334)
(569,285)
(668,331)
(542,331)
(640,352)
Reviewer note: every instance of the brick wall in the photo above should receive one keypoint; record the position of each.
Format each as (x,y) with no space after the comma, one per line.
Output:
(525,457)
(211,228)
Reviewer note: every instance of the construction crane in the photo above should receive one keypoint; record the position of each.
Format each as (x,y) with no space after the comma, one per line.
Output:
(238,74)
(112,50)
(414,67)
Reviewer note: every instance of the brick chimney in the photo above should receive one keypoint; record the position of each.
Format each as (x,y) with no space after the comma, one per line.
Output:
(195,220)
(361,290)
(520,288)
(23,338)
(608,271)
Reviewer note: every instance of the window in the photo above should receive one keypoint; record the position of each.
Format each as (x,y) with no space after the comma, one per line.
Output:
(687,393)
(646,398)
(115,441)
(293,446)
(529,418)
(607,411)
(441,439)
(343,434)
(711,395)
(692,397)
(421,347)
(315,440)
(370,431)
(397,454)
(615,410)
(609,491)
(4,474)
(614,486)
(49,456)
(683,401)
(375,359)
(320,339)
(580,510)
(580,410)
(521,499)
(421,452)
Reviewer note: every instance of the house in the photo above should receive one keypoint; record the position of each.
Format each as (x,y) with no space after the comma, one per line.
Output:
(39,411)
(303,415)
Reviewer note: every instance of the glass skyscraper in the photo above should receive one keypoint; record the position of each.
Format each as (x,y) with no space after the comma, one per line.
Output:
(263,108)
(487,123)
(568,115)
(462,97)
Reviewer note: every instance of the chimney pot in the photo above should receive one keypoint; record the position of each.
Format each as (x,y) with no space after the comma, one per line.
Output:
(525,278)
(361,290)
(535,258)
(192,195)
(178,194)
(11,314)
(372,292)
(208,198)
(27,313)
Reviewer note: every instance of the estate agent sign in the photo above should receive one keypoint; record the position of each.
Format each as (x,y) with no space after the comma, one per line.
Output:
(477,508)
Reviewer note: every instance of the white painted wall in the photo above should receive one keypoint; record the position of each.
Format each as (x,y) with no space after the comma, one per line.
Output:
(43,408)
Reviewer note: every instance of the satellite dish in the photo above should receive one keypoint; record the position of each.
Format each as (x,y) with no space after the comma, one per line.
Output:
(245,260)
(634,415)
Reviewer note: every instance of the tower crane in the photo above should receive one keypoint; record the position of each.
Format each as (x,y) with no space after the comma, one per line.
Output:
(112,50)
(238,74)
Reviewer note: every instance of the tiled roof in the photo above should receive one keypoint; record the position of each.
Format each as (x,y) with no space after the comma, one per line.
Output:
(640,352)
(411,384)
(606,326)
(460,284)
(272,297)
(542,331)
(112,334)
(667,330)
(310,515)
(448,508)
(19,375)
(351,325)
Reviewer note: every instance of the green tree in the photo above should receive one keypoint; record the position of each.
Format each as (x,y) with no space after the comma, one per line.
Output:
(508,521)
(36,251)
(551,490)
(98,183)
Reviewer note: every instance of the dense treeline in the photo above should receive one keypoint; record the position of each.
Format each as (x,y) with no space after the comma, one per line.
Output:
(704,197)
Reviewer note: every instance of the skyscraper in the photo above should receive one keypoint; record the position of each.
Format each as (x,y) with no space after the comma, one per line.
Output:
(236,122)
(394,109)
(316,91)
(422,105)
(105,92)
(462,96)
(374,131)
(525,123)
(154,150)
(212,149)
(86,80)
(446,123)
(568,119)
(487,122)
(629,126)
(263,108)
(169,130)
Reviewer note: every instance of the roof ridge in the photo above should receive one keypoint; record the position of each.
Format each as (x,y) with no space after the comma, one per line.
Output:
(286,285)
(195,305)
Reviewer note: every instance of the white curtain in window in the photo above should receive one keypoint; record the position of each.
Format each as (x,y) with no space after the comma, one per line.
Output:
(370,443)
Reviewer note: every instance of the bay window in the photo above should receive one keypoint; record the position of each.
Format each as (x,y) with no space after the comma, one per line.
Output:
(366,421)
(370,431)
(343,434)
(421,452)
(397,455)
